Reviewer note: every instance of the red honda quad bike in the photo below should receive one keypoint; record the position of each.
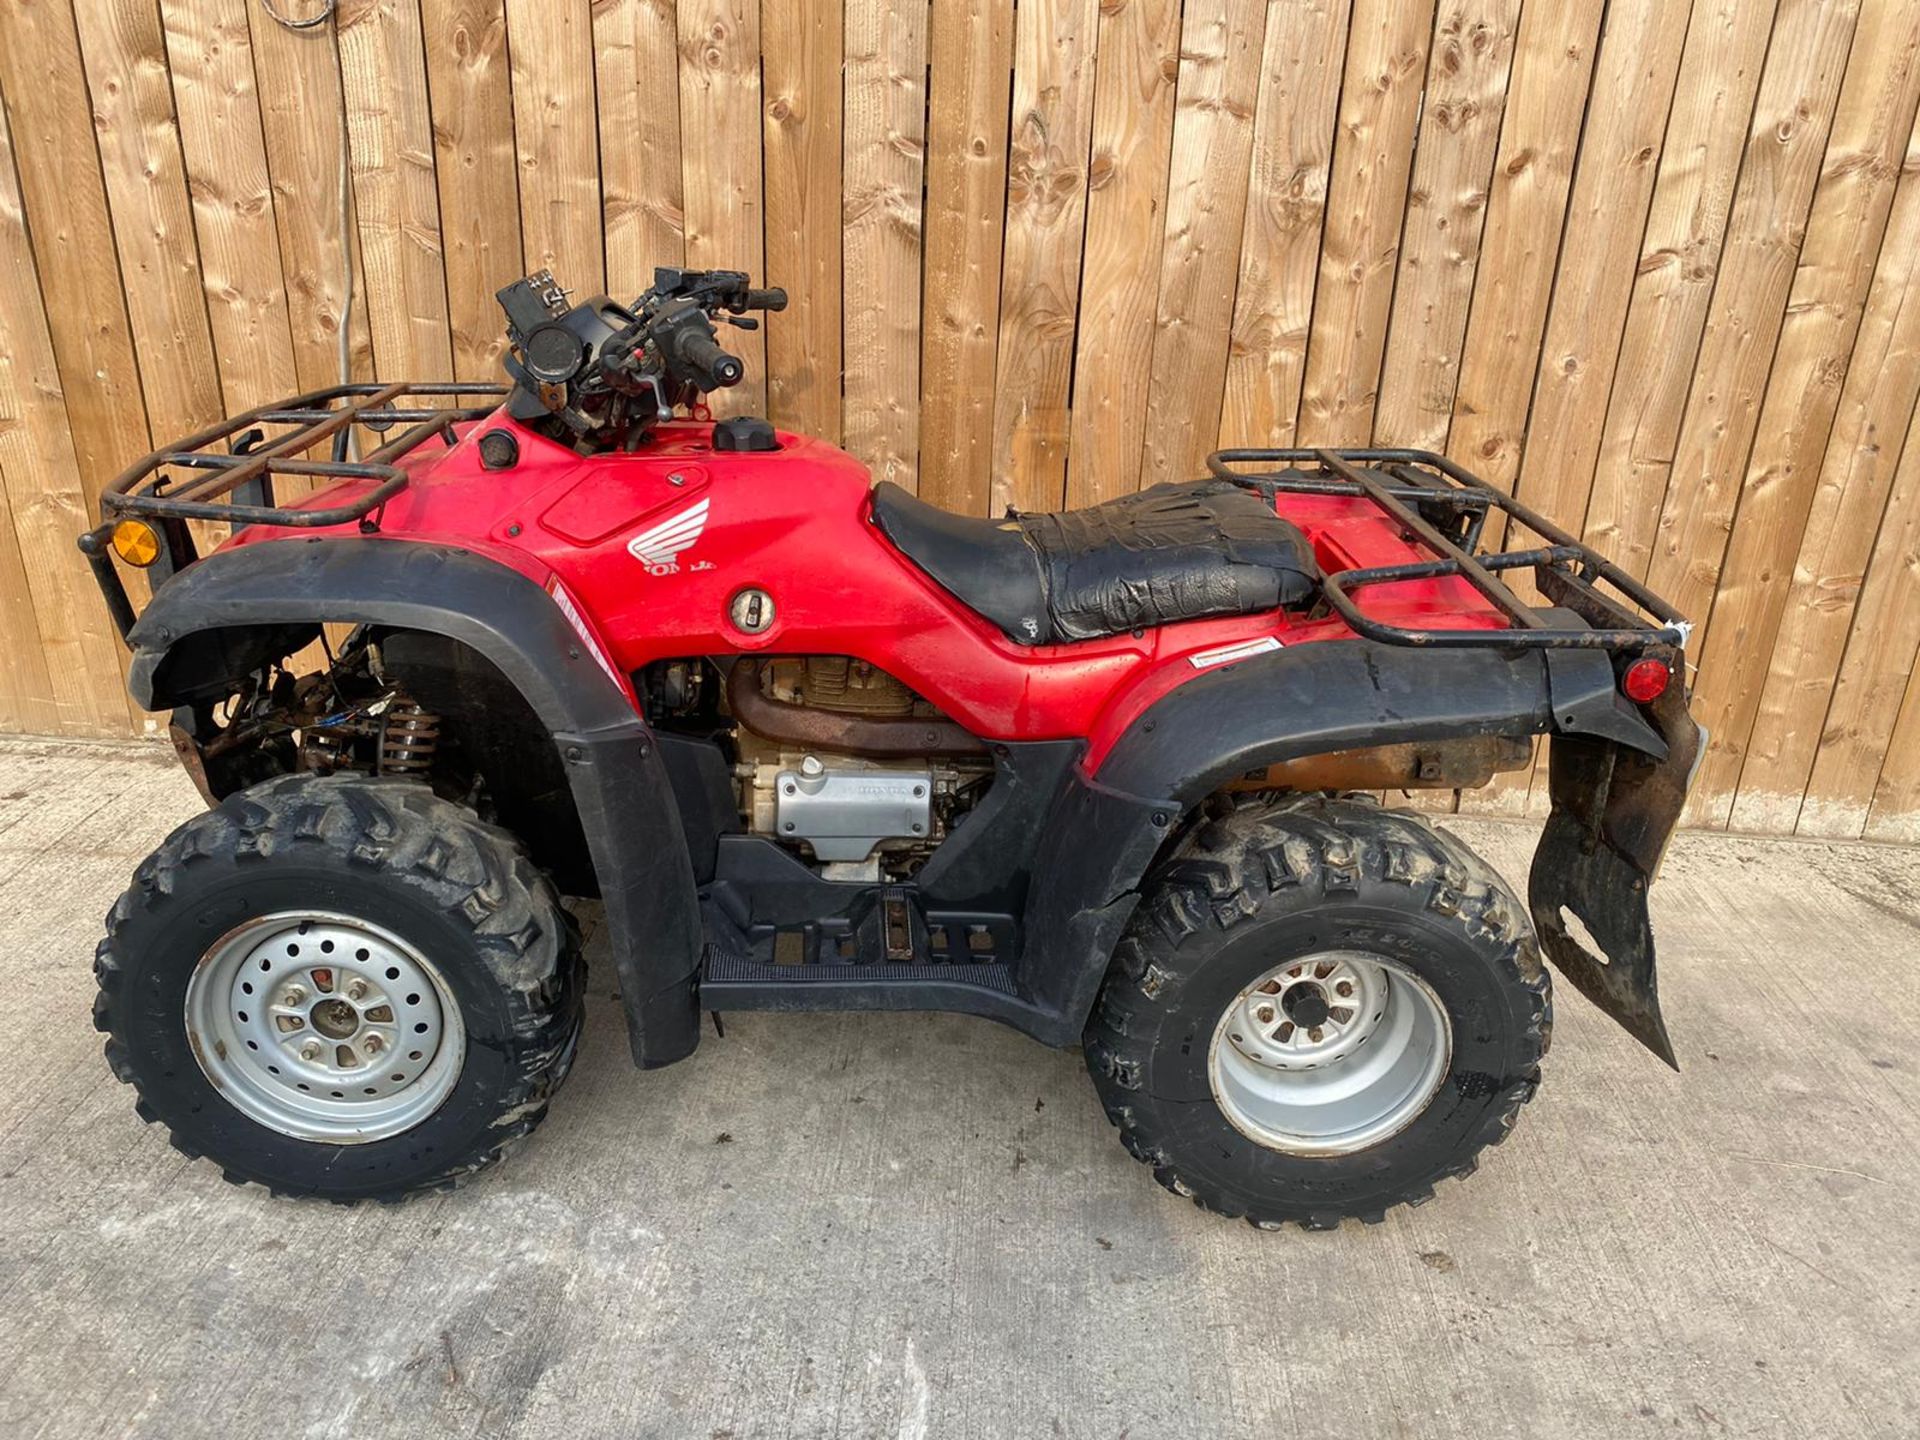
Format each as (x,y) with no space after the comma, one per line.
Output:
(816,744)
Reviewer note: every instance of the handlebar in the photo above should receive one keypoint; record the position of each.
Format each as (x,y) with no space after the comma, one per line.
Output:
(601,369)
(709,366)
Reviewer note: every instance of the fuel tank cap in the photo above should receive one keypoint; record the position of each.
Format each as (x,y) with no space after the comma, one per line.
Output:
(743,432)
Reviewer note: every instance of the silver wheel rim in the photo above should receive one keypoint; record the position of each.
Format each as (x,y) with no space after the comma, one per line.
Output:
(325,1027)
(1329,1053)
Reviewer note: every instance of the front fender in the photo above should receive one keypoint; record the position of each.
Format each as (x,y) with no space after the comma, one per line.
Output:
(614,770)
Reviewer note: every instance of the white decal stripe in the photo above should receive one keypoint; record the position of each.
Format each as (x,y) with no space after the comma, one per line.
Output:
(660,538)
(564,600)
(691,524)
(694,518)
(1244,650)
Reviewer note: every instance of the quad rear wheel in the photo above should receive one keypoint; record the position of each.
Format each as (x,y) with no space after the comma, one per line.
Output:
(1320,1008)
(340,987)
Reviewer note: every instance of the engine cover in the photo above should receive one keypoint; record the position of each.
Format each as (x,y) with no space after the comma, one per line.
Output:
(840,684)
(845,813)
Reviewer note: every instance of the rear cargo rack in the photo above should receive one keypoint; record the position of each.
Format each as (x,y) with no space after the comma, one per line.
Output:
(1446,509)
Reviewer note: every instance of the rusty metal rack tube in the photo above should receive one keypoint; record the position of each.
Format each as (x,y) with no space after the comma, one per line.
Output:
(1420,481)
(316,418)
(250,460)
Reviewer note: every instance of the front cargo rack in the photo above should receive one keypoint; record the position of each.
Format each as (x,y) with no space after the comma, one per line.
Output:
(230,468)
(246,469)
(1446,509)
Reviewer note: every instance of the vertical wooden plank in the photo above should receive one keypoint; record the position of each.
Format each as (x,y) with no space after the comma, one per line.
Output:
(1366,201)
(1139,52)
(885,155)
(1633,87)
(1872,122)
(1446,208)
(126,65)
(720,162)
(1686,225)
(1220,58)
(1293,141)
(971,50)
(304,125)
(1553,62)
(382,67)
(65,205)
(41,472)
(303,117)
(636,48)
(1867,733)
(801,70)
(550,45)
(26,689)
(1826,597)
(1526,210)
(208,51)
(476,173)
(1053,83)
(1139,49)
(1896,798)
(1631,96)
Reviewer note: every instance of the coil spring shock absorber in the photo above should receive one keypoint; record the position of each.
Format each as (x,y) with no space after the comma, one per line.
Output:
(409,739)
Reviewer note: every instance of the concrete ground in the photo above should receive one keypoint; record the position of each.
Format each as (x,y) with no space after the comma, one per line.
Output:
(922,1226)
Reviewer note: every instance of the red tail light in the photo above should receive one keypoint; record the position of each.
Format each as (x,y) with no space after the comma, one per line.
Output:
(1646,680)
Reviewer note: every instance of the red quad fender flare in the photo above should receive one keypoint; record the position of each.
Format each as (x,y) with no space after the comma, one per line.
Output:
(1616,790)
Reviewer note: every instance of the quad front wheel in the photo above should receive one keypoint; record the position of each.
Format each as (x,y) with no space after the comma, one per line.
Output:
(1320,1008)
(340,987)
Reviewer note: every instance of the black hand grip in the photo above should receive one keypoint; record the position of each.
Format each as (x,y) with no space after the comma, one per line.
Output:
(709,367)
(774,299)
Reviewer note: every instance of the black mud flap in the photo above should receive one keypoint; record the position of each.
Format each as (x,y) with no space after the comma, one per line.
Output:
(1613,809)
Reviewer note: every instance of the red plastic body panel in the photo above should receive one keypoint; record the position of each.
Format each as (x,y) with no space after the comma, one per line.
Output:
(649,550)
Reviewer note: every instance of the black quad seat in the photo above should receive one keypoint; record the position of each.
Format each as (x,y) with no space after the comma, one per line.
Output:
(1169,553)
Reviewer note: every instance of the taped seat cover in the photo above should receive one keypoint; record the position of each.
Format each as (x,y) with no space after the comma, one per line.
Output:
(1169,553)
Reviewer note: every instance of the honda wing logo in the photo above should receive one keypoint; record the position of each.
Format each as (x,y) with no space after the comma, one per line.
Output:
(659,548)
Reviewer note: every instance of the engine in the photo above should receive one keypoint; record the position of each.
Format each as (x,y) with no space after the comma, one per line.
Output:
(858,817)
(860,814)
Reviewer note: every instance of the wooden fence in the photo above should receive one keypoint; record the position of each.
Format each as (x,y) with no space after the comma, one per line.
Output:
(1656,263)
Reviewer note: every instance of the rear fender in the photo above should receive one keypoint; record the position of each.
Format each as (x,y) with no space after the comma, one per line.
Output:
(1351,694)
(612,763)
(1613,811)
(1107,830)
